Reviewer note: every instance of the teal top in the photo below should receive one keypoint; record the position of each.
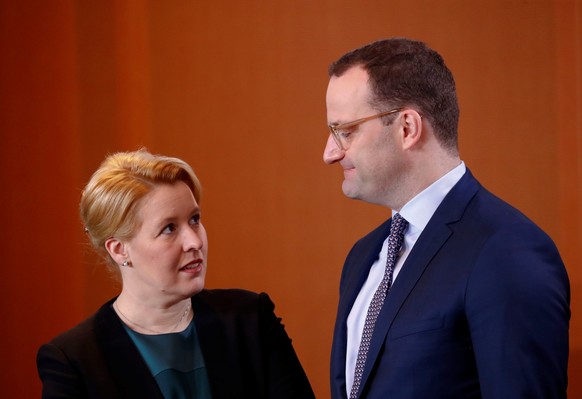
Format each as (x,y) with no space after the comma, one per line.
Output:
(176,362)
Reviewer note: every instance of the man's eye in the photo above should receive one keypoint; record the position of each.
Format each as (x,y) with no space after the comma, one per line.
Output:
(344,134)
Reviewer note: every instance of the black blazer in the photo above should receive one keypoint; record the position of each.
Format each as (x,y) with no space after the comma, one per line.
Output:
(480,308)
(246,350)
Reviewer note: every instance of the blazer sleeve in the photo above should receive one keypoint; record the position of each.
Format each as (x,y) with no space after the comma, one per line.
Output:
(286,377)
(518,311)
(59,378)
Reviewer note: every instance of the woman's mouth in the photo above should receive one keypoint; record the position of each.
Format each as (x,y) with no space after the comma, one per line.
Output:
(193,267)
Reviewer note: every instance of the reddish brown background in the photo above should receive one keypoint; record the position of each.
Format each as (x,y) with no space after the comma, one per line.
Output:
(237,89)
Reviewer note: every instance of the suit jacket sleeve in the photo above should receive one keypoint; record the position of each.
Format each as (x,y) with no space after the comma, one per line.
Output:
(518,312)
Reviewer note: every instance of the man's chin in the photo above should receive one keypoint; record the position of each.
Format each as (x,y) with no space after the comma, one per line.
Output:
(356,192)
(350,191)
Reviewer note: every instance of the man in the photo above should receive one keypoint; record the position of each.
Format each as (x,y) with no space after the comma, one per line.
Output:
(476,296)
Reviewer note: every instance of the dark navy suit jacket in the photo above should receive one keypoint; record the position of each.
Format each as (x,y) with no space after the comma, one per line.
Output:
(246,350)
(480,308)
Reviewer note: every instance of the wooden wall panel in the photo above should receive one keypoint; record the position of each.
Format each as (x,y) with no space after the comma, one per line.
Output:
(41,276)
(237,89)
(567,209)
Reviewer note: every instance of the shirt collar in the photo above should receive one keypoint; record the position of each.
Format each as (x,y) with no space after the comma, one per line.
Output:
(420,209)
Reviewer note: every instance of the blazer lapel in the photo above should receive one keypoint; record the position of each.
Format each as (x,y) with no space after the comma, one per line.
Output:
(434,236)
(215,336)
(210,334)
(127,368)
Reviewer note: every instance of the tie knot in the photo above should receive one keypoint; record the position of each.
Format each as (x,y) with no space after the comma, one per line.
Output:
(399,225)
(396,237)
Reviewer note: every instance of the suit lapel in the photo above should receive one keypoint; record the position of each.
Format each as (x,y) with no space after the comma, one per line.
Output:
(356,269)
(432,239)
(360,261)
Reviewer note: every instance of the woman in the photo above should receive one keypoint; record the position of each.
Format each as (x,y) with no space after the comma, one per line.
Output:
(165,336)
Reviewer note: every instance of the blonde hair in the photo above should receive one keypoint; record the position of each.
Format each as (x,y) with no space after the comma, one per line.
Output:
(110,199)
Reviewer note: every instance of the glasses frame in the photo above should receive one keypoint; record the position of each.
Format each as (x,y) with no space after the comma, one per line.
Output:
(335,128)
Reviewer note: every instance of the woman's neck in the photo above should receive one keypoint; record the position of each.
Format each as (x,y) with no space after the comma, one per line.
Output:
(163,318)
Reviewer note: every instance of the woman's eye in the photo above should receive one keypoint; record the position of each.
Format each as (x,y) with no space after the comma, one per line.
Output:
(195,219)
(169,229)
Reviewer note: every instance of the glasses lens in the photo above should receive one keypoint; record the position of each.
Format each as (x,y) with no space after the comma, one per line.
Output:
(336,138)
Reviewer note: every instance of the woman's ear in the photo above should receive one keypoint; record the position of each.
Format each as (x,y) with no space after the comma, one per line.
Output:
(116,250)
(412,128)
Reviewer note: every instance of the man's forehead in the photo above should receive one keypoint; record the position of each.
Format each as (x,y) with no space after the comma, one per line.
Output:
(350,91)
(355,78)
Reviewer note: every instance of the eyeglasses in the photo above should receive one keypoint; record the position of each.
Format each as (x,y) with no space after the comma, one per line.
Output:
(340,135)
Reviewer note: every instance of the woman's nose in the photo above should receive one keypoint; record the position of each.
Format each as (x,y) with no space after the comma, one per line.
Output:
(193,240)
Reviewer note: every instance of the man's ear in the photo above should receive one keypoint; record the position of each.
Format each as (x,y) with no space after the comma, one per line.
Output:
(411,122)
(116,250)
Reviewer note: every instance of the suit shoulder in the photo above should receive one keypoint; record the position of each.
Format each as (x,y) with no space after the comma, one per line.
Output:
(497,214)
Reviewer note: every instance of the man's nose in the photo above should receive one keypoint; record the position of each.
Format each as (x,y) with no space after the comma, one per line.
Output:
(332,153)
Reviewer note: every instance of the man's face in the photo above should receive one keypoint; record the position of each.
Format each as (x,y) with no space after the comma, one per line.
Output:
(373,163)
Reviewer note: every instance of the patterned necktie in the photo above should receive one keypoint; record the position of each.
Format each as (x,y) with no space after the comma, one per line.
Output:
(395,239)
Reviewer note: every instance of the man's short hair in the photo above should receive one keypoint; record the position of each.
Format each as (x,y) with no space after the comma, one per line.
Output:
(407,73)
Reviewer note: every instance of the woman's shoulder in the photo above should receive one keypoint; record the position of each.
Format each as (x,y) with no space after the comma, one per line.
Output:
(86,330)
(233,299)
